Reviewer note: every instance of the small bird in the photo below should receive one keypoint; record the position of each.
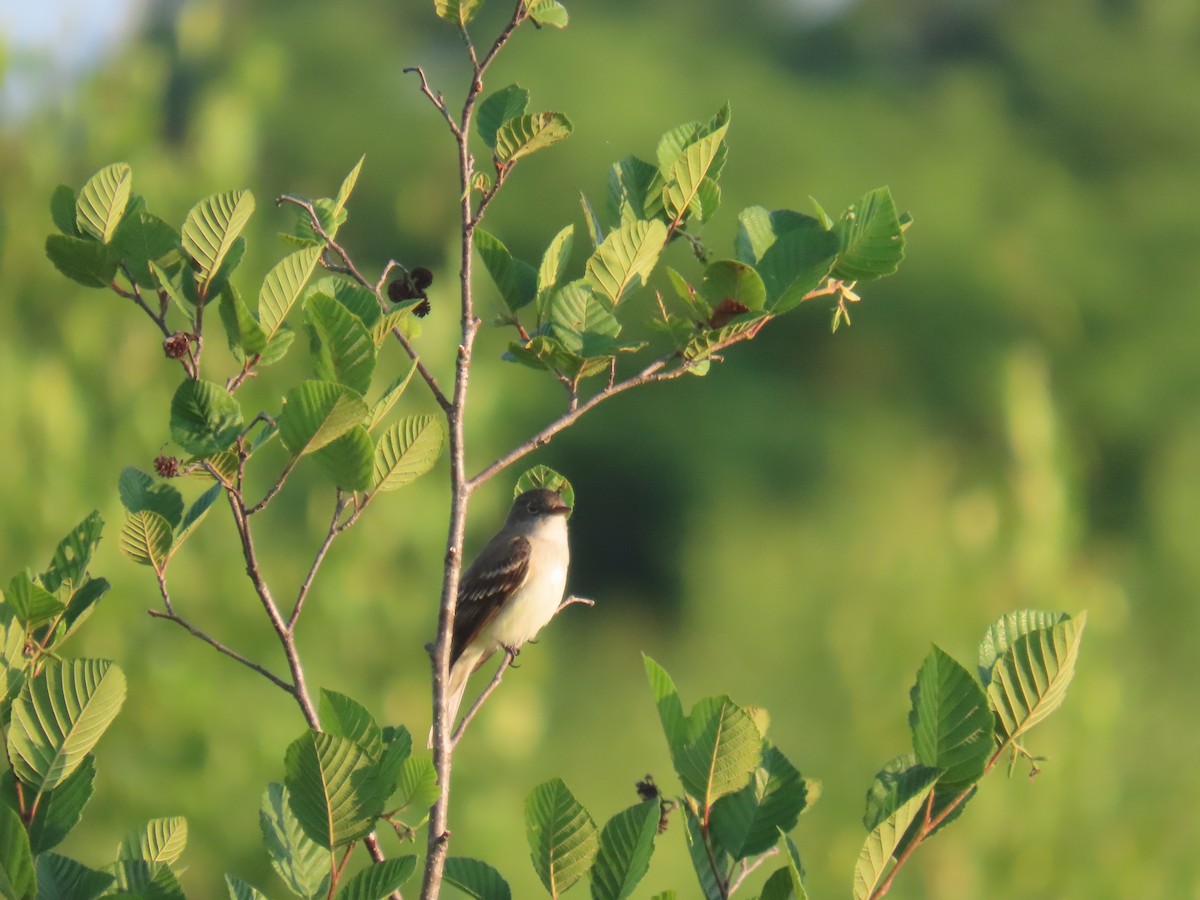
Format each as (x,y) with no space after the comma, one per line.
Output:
(512,589)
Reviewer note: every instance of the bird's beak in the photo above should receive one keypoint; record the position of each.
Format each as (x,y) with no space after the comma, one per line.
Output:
(561,510)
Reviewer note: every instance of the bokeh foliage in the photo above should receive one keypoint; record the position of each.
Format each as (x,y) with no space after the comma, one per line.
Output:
(1010,422)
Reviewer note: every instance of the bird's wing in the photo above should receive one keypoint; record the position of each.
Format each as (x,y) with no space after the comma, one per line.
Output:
(491,579)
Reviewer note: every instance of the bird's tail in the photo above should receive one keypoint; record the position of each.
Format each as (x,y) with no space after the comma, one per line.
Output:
(470,660)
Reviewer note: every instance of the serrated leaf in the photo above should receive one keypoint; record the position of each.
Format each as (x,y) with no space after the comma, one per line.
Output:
(210,230)
(196,512)
(348,461)
(83,601)
(796,262)
(205,418)
(407,450)
(62,210)
(391,394)
(704,344)
(160,841)
(526,134)
(146,538)
(592,221)
(721,750)
(139,491)
(576,317)
(246,337)
(555,259)
(707,862)
(507,103)
(417,786)
(629,189)
(343,349)
(85,262)
(143,239)
(62,878)
(626,257)
(545,477)
(283,285)
(376,882)
(515,279)
(459,11)
(670,708)
(562,836)
(1030,680)
(747,822)
(58,718)
(73,553)
(303,866)
(881,843)
(141,879)
(688,170)
(1004,632)
(951,724)
(17,878)
(277,346)
(548,12)
(347,186)
(101,202)
(626,844)
(242,890)
(476,879)
(399,316)
(346,717)
(31,604)
(707,200)
(871,238)
(315,413)
(61,809)
(901,779)
(397,748)
(334,788)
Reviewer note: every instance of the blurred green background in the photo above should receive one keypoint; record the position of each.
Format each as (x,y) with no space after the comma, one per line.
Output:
(1011,421)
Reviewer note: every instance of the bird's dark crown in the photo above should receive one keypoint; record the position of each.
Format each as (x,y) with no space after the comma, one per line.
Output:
(536,504)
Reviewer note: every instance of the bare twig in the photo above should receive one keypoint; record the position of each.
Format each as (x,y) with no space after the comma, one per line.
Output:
(338,506)
(509,656)
(437,100)
(221,648)
(748,867)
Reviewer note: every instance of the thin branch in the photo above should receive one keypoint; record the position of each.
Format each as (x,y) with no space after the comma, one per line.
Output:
(748,867)
(221,648)
(275,488)
(509,656)
(437,100)
(338,507)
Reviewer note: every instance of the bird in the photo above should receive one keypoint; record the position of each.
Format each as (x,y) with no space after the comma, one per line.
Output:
(512,588)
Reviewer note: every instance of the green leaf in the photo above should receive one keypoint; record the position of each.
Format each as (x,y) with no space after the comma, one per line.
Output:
(707,200)
(688,170)
(391,394)
(703,862)
(334,788)
(58,718)
(881,843)
(347,187)
(102,201)
(871,239)
(579,320)
(592,221)
(316,413)
(283,285)
(146,539)
(526,134)
(797,261)
(173,286)
(626,257)
(160,841)
(951,724)
(346,717)
(83,601)
(150,881)
(407,450)
(61,809)
(515,279)
(31,603)
(545,477)
(349,461)
(210,230)
(1030,680)
(548,12)
(86,262)
(143,239)
(778,886)
(196,512)
(139,491)
(343,350)
(476,879)
(562,836)
(399,316)
(507,103)
(277,346)
(460,11)
(758,229)
(626,844)
(241,326)
(73,553)
(62,878)
(901,779)
(376,882)
(670,708)
(417,787)
(629,194)
(205,418)
(62,210)
(1004,632)
(16,860)
(555,259)
(303,866)
(704,344)
(733,280)
(721,750)
(397,748)
(747,822)
(242,890)
(795,869)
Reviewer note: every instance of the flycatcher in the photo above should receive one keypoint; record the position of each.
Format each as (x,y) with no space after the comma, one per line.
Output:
(512,589)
